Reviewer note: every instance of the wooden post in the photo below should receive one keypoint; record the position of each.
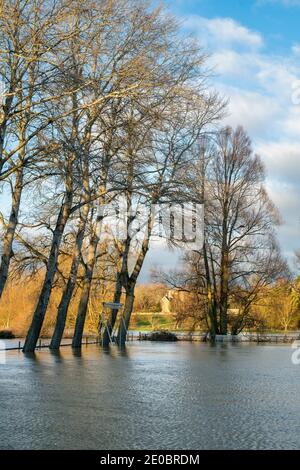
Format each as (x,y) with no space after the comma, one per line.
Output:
(19,346)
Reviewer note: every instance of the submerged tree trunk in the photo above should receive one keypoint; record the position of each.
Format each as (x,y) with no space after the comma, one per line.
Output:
(10,229)
(113,315)
(69,289)
(40,310)
(224,279)
(82,309)
(125,320)
(129,281)
(211,304)
(85,294)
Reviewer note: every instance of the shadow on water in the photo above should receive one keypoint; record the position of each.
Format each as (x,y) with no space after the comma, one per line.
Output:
(56,354)
(76,352)
(114,351)
(218,345)
(32,356)
(105,350)
(124,352)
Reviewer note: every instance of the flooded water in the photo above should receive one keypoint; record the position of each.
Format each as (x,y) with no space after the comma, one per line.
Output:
(153,396)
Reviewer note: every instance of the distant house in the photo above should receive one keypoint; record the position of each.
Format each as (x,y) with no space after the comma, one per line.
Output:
(166,301)
(233,311)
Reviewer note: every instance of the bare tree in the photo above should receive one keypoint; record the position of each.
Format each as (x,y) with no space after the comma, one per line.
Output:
(240,255)
(25,70)
(241,218)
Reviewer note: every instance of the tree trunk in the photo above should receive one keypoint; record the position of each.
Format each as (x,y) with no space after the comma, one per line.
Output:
(81,313)
(40,310)
(224,278)
(130,282)
(10,230)
(214,330)
(211,304)
(113,316)
(6,108)
(125,320)
(69,289)
(85,294)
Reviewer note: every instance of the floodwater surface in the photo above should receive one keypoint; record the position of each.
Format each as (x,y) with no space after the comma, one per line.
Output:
(152,396)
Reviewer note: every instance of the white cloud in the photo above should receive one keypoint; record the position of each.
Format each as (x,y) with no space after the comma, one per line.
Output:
(223,31)
(282,160)
(296,48)
(276,75)
(250,109)
(233,64)
(290,123)
(286,197)
(260,89)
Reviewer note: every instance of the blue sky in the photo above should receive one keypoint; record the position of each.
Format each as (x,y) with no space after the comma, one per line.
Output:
(254,48)
(277,20)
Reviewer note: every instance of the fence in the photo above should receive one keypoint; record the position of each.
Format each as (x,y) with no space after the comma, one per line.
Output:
(181,336)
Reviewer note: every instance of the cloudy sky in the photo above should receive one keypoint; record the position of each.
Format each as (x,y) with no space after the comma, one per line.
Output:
(255,54)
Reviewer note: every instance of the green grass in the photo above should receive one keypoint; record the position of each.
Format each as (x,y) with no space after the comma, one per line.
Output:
(144,321)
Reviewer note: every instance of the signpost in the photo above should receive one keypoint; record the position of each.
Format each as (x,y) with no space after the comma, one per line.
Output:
(110,306)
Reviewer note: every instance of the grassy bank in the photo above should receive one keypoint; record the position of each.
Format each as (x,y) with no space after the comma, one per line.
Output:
(145,321)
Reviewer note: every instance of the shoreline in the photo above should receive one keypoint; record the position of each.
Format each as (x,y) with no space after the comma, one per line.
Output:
(273,338)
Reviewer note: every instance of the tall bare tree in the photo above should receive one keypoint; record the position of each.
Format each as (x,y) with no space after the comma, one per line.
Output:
(26,68)
(118,49)
(240,256)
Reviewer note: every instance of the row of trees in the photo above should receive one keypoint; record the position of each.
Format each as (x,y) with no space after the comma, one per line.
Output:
(101,99)
(276,308)
(105,100)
